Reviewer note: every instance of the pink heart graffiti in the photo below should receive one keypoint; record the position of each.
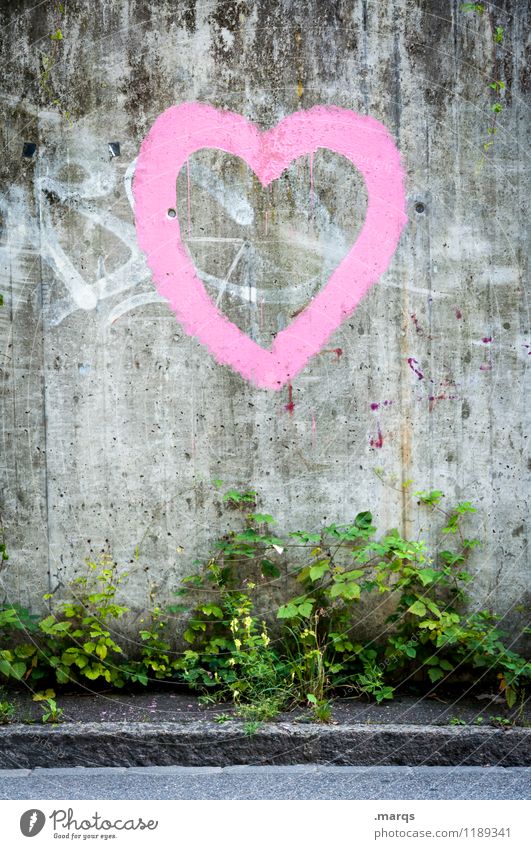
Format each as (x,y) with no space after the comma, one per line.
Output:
(179,132)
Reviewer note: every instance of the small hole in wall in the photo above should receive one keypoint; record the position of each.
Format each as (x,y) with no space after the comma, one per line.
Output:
(114,148)
(420,208)
(29,149)
(172,213)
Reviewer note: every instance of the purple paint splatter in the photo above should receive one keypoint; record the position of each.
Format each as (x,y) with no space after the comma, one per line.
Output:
(377,442)
(412,362)
(415,321)
(290,406)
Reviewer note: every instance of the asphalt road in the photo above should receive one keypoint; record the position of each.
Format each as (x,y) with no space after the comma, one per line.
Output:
(285,782)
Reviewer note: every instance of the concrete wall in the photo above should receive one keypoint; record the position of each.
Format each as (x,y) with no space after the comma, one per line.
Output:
(115,421)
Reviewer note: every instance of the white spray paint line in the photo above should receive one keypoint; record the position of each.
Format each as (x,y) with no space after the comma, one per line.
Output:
(225,281)
(214,239)
(237,207)
(132,303)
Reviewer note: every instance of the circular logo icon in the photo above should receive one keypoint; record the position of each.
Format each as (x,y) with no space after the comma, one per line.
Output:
(31,822)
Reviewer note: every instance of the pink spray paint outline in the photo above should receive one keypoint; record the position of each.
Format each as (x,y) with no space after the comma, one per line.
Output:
(182,130)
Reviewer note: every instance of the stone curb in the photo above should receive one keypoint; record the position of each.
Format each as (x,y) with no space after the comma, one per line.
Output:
(126,744)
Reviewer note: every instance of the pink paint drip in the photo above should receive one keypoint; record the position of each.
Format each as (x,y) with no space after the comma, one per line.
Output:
(442,397)
(378,441)
(412,362)
(337,351)
(182,130)
(314,431)
(376,405)
(290,406)
(266,221)
(415,321)
(487,340)
(458,314)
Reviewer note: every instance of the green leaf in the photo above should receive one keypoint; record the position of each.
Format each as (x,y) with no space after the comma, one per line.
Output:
(262,517)
(348,590)
(19,669)
(431,498)
(304,537)
(89,647)
(363,520)
(435,673)
(305,609)
(5,668)
(428,576)
(299,606)
(510,696)
(61,627)
(212,610)
(318,569)
(287,611)
(418,608)
(25,651)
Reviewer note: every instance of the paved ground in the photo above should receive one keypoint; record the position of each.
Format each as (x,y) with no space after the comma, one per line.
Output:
(290,782)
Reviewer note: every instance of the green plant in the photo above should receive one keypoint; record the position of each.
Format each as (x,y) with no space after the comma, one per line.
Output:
(232,652)
(500,721)
(7,709)
(371,682)
(498,34)
(157,660)
(456,720)
(321,708)
(79,636)
(51,712)
(431,637)
(230,648)
(48,61)
(473,7)
(3,547)
(222,717)
(312,648)
(20,660)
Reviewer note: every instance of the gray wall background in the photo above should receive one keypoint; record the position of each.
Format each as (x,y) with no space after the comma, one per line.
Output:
(115,422)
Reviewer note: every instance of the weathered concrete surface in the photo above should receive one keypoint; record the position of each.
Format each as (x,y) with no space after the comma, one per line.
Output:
(208,744)
(282,782)
(115,422)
